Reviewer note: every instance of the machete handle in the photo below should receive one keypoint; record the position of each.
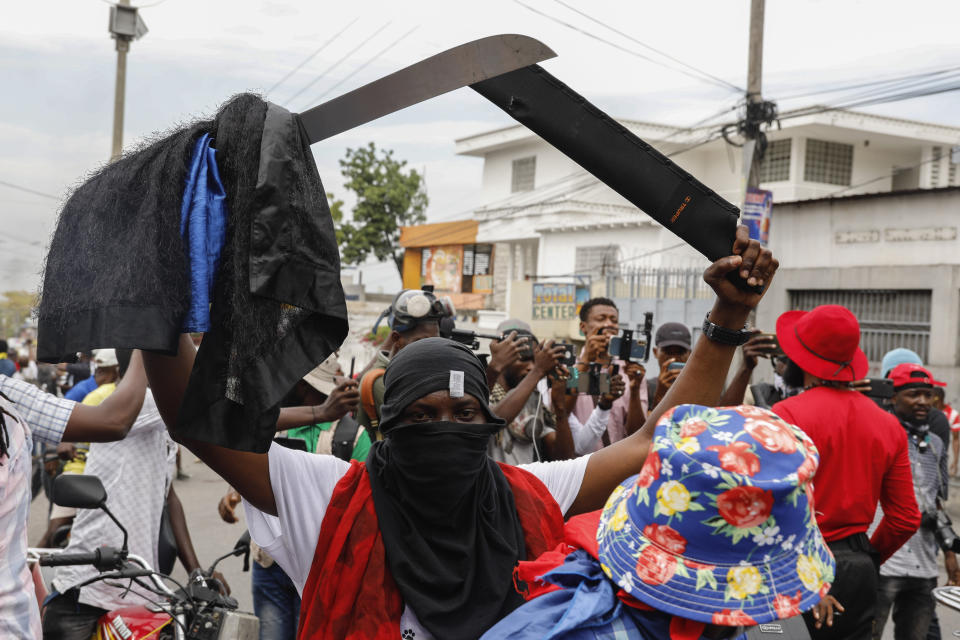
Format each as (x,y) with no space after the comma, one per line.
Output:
(740,283)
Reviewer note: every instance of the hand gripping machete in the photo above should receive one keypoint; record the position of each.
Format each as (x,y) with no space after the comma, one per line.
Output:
(452,69)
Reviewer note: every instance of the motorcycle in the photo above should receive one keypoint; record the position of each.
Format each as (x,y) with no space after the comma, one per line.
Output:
(195,611)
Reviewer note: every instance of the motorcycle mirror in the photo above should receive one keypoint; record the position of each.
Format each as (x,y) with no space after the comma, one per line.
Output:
(79,491)
(84,492)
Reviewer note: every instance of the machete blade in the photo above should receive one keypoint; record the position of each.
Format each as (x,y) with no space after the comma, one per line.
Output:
(454,68)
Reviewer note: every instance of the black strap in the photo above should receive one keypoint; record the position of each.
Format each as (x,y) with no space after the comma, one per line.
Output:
(343,437)
(843,363)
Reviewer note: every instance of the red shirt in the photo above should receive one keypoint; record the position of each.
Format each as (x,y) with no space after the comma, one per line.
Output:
(863,460)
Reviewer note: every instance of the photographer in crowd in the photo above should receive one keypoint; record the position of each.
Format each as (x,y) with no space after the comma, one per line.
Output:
(908,578)
(863,459)
(535,430)
(599,321)
(672,347)
(531,395)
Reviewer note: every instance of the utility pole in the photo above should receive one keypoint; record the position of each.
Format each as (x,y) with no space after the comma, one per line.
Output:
(753,150)
(125,26)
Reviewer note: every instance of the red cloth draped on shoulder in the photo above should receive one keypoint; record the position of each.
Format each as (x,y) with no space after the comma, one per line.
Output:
(350,592)
(580,532)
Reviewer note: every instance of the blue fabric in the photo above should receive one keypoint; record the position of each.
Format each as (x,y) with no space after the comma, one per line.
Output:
(203,226)
(586,608)
(80,390)
(275,602)
(7,368)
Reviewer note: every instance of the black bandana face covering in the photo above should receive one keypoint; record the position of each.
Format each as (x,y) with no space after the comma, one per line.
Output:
(449,524)
(433,467)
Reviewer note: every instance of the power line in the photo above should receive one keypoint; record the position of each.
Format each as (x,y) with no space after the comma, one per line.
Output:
(637,54)
(363,66)
(717,80)
(860,85)
(28,190)
(311,56)
(881,99)
(337,63)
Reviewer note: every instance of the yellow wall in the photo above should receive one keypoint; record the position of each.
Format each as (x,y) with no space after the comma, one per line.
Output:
(411,269)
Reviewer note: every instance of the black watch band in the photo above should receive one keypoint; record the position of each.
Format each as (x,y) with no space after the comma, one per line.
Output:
(722,335)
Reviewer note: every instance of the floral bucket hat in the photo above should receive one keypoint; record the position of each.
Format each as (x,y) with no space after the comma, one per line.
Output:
(718,526)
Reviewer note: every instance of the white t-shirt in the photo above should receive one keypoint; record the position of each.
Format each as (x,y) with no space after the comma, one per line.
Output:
(136,472)
(303,484)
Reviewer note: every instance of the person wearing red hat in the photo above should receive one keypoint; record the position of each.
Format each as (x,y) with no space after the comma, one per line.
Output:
(863,458)
(908,578)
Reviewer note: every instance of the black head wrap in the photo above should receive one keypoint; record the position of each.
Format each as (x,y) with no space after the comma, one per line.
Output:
(430,365)
(446,512)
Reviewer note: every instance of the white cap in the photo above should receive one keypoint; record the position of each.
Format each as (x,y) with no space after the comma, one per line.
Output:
(105,358)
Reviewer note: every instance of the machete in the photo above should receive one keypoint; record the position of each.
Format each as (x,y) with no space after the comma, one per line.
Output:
(621,160)
(454,68)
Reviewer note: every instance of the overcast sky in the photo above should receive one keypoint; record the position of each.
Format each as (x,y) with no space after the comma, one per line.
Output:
(57,67)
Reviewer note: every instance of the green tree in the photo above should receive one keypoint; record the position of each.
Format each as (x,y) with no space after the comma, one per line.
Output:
(15,309)
(389,196)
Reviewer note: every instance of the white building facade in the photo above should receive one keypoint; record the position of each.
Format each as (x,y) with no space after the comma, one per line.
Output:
(549,220)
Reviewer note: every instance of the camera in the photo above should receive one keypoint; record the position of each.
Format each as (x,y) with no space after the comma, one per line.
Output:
(880,388)
(939,522)
(525,347)
(625,348)
(594,381)
(569,357)
(470,338)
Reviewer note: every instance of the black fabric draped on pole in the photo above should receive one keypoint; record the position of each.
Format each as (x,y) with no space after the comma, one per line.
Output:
(117,274)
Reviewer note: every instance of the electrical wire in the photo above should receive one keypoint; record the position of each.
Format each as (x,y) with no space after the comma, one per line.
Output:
(860,85)
(310,57)
(337,63)
(715,79)
(363,66)
(636,54)
(28,190)
(878,99)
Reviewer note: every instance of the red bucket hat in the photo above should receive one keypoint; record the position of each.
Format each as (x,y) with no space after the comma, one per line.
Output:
(824,342)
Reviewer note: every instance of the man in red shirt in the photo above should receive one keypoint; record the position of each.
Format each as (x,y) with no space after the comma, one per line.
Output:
(863,458)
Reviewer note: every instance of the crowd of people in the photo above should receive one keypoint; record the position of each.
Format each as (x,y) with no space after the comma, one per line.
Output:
(540,492)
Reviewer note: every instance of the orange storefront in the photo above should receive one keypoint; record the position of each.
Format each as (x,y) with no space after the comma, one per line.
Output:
(446,255)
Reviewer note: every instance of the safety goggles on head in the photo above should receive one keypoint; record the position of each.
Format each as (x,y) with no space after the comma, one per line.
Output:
(412,306)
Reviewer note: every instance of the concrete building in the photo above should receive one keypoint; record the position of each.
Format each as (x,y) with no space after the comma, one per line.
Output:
(550,222)
(893,258)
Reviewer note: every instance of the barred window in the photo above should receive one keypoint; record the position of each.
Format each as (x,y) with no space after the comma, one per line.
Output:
(524,170)
(937,153)
(889,318)
(597,261)
(776,162)
(828,162)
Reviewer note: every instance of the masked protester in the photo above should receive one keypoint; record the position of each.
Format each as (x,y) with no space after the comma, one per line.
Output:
(421,540)
(863,459)
(683,550)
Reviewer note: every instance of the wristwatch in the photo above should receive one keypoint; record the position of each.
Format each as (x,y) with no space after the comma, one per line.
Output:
(722,335)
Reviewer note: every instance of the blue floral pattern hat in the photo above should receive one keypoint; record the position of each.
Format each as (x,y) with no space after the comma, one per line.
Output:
(718,526)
